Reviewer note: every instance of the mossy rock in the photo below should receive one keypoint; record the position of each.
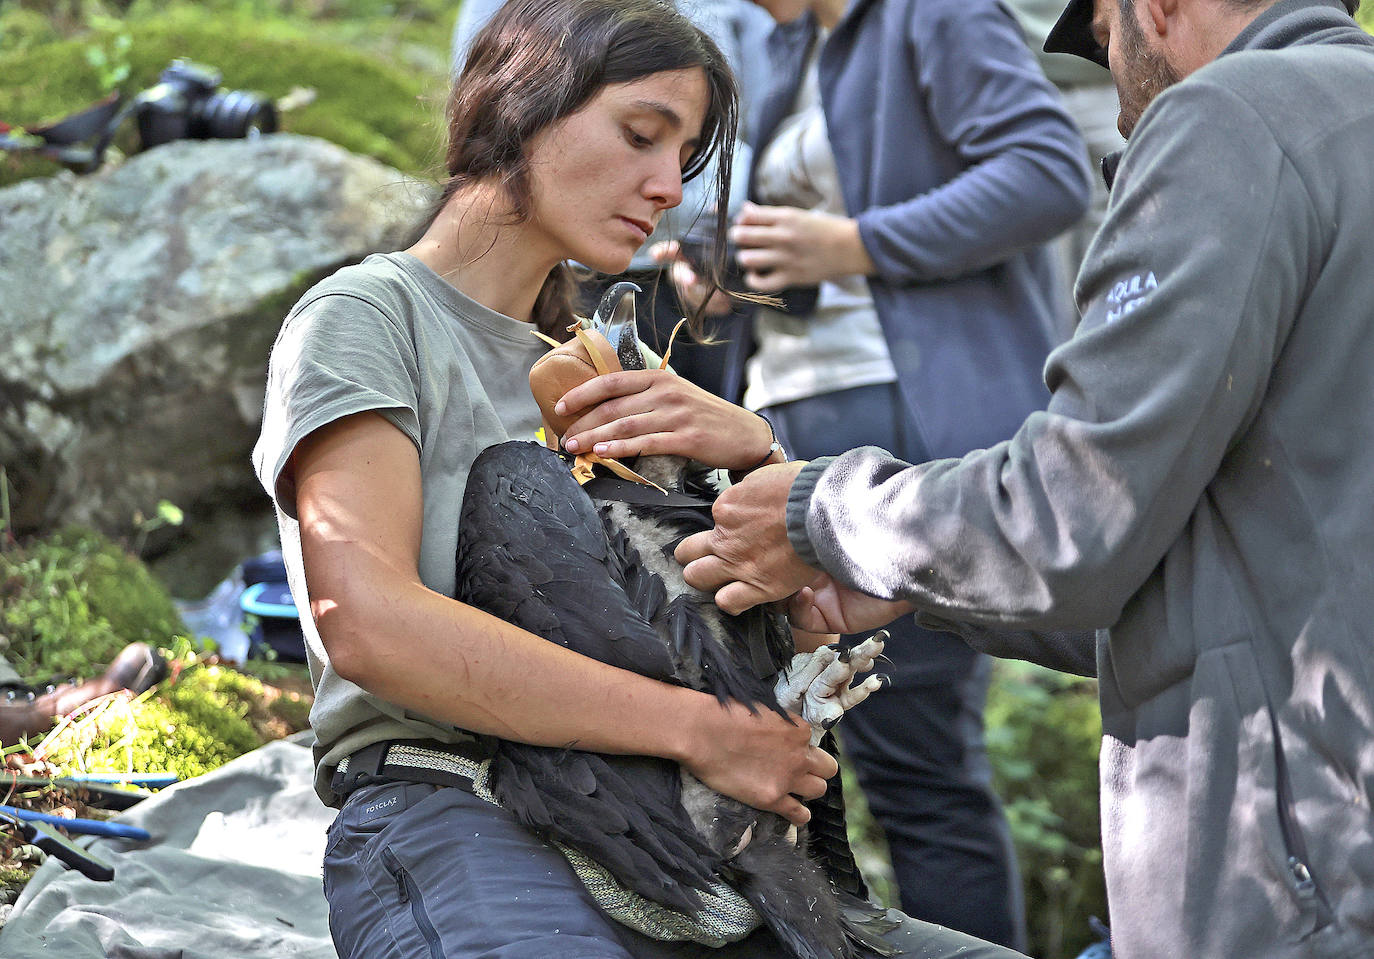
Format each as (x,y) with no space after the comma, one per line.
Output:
(70,602)
(208,716)
(362,104)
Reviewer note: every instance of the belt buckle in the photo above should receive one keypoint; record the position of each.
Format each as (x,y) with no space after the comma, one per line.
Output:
(364,768)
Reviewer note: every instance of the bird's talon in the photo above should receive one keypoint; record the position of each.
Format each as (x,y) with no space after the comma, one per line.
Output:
(743,841)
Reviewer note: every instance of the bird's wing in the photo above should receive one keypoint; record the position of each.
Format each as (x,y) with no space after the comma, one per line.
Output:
(532,551)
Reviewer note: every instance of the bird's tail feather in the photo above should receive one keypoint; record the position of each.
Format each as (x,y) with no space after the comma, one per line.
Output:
(828,834)
(794,898)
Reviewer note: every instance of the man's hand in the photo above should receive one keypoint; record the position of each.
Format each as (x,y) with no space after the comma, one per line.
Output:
(830,607)
(746,559)
(782,246)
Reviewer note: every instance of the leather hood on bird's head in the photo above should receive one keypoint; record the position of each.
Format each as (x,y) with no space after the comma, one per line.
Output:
(589,353)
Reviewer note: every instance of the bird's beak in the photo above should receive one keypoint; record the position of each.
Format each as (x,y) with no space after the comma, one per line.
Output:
(615,319)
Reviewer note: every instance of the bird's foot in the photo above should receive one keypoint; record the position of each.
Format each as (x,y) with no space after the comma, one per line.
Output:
(818,684)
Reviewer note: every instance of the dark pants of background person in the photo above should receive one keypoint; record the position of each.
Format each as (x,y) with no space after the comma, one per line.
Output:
(708,365)
(918,746)
(416,871)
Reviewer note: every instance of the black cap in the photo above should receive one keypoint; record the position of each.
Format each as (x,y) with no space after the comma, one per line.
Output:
(1073,33)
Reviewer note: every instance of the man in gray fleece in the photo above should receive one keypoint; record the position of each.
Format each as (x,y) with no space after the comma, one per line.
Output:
(1200,490)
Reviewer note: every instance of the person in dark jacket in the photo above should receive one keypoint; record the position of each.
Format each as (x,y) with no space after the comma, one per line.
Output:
(911,161)
(1198,489)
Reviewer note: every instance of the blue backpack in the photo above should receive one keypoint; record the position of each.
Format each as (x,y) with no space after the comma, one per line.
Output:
(269,609)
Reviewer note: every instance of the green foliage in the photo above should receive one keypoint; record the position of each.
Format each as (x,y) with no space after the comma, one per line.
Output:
(1044,733)
(1365,15)
(74,600)
(365,103)
(71,602)
(21,28)
(210,715)
(866,839)
(167,514)
(108,52)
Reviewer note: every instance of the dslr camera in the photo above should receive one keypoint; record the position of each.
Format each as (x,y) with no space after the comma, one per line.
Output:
(187,104)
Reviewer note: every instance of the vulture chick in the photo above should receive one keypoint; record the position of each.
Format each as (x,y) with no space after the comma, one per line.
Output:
(591,567)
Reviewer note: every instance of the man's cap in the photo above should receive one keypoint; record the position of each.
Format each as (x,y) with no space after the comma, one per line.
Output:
(1073,33)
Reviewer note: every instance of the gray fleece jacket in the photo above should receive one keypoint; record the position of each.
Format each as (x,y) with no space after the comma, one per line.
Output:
(1200,491)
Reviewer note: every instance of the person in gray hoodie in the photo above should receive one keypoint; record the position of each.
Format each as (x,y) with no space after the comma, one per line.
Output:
(1198,491)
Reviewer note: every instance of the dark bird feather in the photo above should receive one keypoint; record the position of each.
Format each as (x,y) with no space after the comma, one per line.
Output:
(582,568)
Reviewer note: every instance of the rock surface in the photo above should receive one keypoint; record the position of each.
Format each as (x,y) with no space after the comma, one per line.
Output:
(138,306)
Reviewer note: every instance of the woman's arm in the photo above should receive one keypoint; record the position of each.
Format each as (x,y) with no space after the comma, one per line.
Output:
(360,508)
(1024,175)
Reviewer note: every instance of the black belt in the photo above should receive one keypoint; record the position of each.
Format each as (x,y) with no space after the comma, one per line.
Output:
(410,760)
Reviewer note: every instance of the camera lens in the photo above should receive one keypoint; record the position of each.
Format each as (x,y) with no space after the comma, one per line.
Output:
(233,114)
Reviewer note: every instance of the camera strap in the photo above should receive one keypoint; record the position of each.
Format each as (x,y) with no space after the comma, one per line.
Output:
(77,140)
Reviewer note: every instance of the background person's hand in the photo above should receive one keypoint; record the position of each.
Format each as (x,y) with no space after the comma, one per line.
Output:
(783,246)
(831,607)
(746,559)
(758,758)
(692,288)
(654,411)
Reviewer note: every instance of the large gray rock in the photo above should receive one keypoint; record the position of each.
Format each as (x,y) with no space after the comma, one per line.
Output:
(137,309)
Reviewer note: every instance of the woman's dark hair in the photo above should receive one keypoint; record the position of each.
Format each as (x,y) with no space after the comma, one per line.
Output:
(536,62)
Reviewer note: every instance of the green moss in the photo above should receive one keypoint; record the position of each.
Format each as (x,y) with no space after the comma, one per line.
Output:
(70,602)
(362,103)
(21,29)
(208,716)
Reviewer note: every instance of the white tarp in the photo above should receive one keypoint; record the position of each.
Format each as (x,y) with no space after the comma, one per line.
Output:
(232,870)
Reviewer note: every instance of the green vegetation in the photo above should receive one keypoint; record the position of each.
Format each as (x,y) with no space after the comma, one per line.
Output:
(70,603)
(1044,732)
(210,715)
(377,71)
(75,599)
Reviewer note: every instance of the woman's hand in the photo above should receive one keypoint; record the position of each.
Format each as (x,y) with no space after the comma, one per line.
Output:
(758,758)
(654,411)
(782,246)
(692,288)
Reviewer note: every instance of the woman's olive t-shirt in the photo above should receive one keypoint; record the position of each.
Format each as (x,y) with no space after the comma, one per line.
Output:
(390,336)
